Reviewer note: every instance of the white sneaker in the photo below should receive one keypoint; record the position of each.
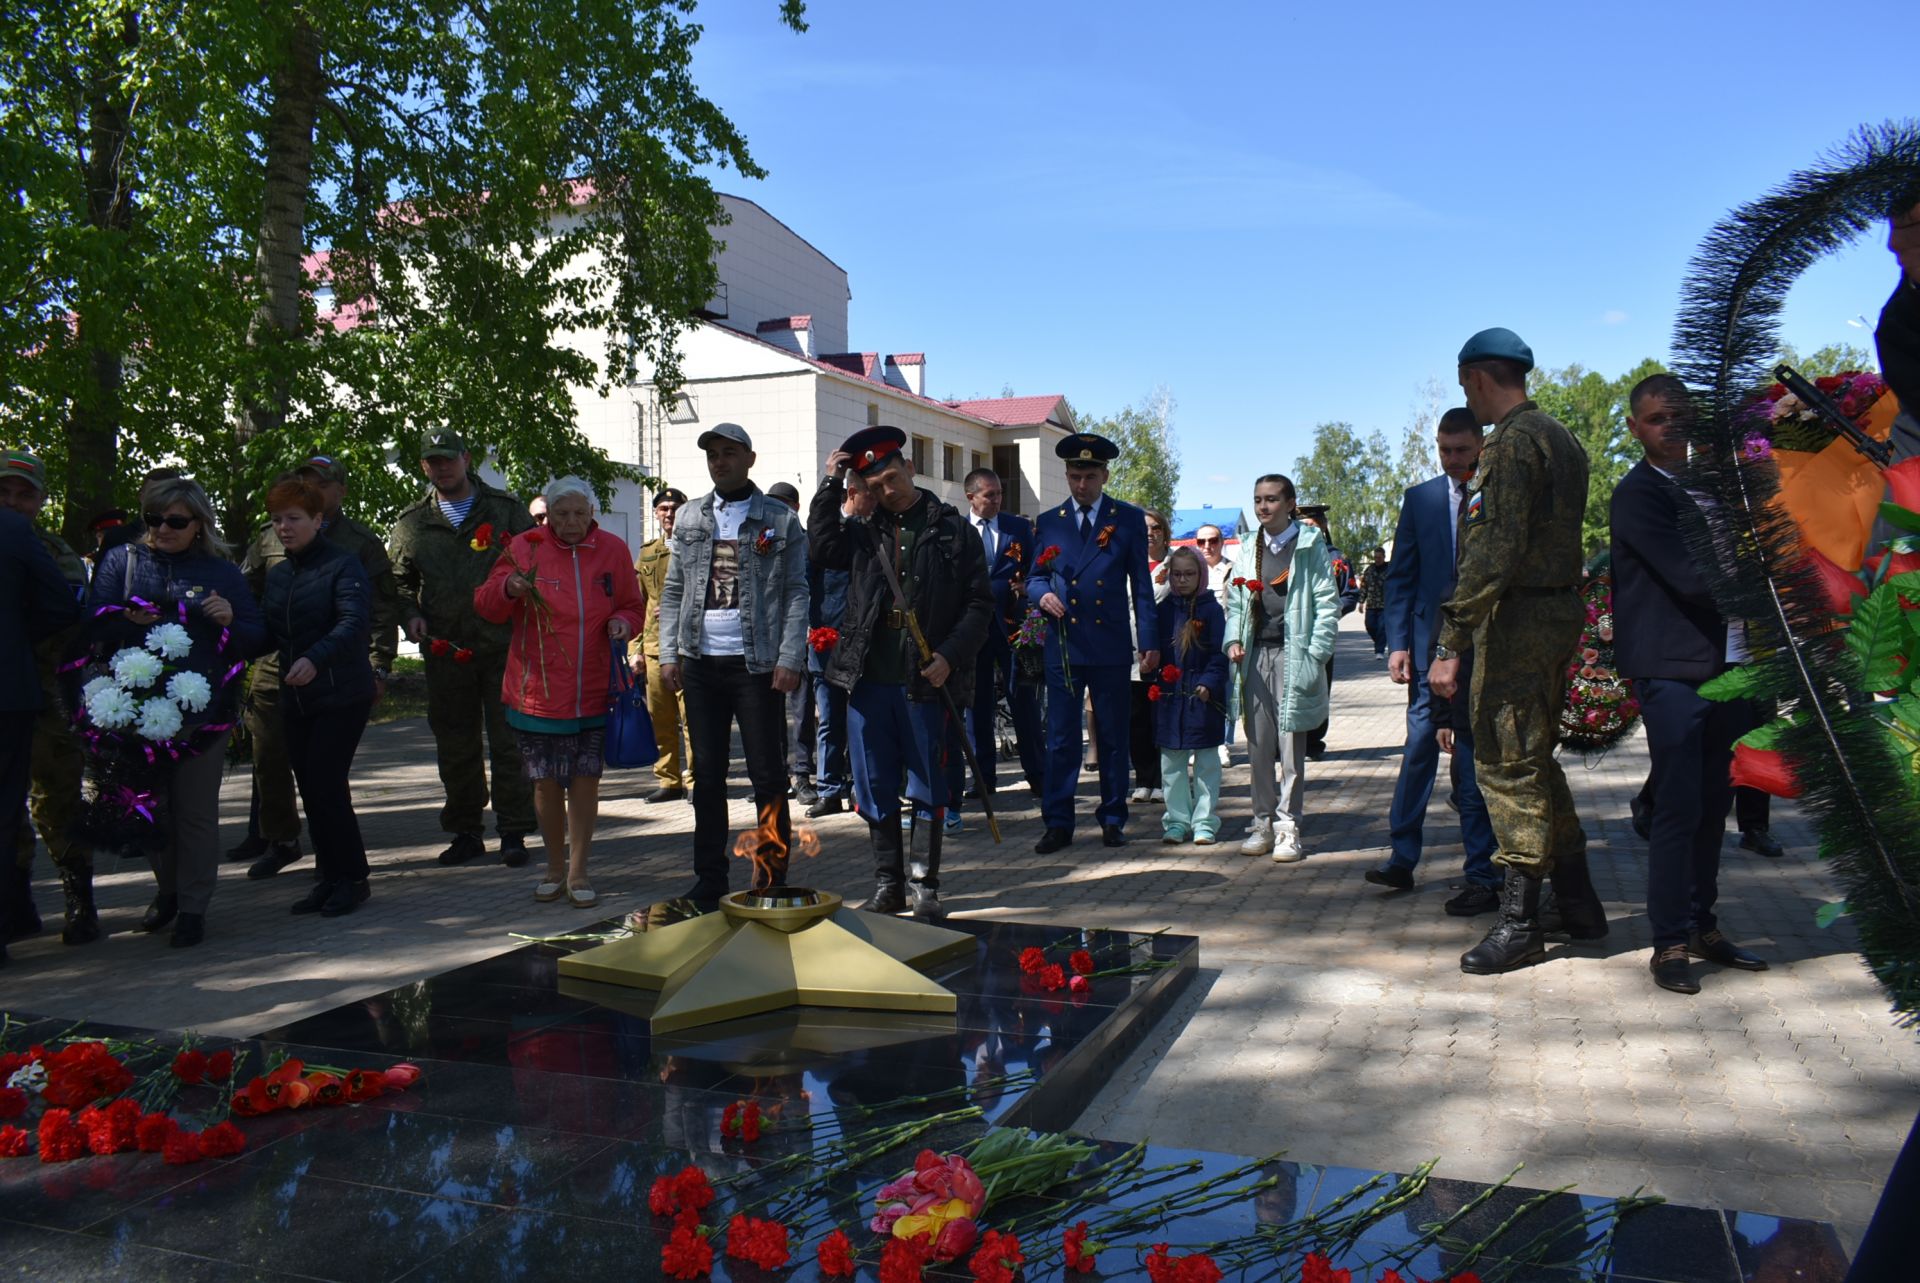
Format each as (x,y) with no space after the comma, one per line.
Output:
(1158,795)
(1259,838)
(1226,756)
(1286,846)
(1138,795)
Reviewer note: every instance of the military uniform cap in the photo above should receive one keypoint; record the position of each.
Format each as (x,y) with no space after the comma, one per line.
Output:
(108,519)
(671,494)
(1318,510)
(327,468)
(19,463)
(1086,447)
(1497,344)
(871,449)
(442,444)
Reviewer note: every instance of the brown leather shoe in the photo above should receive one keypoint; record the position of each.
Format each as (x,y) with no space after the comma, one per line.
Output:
(1670,969)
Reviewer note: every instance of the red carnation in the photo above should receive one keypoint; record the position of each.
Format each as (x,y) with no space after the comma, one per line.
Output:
(1318,1269)
(1032,960)
(482,537)
(1079,1259)
(1047,554)
(150,1133)
(835,1255)
(1169,674)
(1079,986)
(687,1189)
(686,1254)
(535,537)
(741,1120)
(61,1139)
(190,1067)
(112,1130)
(83,1072)
(220,1066)
(463,656)
(1053,979)
(439,647)
(182,1148)
(13,1102)
(763,1243)
(901,1259)
(998,1259)
(222,1140)
(15,1143)
(1197,1268)
(1081,961)
(823,639)
(1154,693)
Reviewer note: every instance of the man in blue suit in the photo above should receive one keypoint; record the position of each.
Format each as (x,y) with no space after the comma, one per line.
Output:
(1419,578)
(1091,551)
(1007,540)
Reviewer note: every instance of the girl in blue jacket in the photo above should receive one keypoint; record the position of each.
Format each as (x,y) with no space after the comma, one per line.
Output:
(1189,701)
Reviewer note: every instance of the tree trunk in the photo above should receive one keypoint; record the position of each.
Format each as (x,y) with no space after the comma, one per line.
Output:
(93,416)
(297,87)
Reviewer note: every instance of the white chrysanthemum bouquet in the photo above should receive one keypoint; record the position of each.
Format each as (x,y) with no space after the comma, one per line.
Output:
(144,690)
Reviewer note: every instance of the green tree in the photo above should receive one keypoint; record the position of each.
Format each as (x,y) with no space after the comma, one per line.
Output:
(1594,409)
(491,181)
(1355,479)
(1834,358)
(1147,473)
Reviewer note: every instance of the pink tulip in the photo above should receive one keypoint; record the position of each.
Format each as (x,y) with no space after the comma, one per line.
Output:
(967,1186)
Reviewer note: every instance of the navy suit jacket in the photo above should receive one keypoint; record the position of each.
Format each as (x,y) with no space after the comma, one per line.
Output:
(1093,582)
(1012,558)
(1665,622)
(1420,576)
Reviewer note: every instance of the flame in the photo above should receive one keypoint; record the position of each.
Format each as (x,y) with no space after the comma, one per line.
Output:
(768,851)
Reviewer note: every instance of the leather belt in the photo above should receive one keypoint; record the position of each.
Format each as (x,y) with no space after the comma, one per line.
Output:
(894,617)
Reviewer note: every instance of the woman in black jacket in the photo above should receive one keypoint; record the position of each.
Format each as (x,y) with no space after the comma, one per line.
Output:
(319,614)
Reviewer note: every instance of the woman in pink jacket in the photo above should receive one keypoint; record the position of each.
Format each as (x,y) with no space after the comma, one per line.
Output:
(570,592)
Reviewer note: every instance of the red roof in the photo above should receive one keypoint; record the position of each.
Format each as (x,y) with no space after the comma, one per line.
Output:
(907,358)
(784,323)
(860,364)
(1010,411)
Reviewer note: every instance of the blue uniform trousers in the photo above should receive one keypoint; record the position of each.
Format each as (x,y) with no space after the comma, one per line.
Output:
(1023,701)
(1406,820)
(886,731)
(1110,686)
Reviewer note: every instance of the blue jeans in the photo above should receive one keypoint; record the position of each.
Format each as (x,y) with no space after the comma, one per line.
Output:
(1110,686)
(1406,820)
(830,714)
(885,731)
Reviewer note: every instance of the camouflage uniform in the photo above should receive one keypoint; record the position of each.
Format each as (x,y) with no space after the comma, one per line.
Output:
(668,709)
(279,819)
(59,759)
(437,569)
(1515,605)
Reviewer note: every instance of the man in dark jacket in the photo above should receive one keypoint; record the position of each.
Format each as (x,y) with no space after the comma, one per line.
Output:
(1670,638)
(895,713)
(35,602)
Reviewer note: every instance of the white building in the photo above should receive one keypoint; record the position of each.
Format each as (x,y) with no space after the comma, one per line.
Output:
(770,353)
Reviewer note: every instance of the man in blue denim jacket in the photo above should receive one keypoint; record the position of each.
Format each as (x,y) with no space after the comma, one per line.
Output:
(733,636)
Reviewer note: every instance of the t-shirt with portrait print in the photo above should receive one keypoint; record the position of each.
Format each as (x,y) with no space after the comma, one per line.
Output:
(720,619)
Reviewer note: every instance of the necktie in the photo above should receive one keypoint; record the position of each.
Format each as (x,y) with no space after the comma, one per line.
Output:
(1459,512)
(1086,520)
(986,536)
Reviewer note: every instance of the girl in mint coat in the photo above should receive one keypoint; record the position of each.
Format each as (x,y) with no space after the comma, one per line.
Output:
(1281,622)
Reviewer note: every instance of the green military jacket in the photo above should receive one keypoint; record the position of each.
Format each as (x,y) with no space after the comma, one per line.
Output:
(437,567)
(1520,520)
(52,651)
(265,552)
(651,565)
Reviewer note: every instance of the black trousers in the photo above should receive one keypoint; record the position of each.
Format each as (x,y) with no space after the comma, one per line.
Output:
(320,747)
(16,762)
(1690,741)
(1140,746)
(720,691)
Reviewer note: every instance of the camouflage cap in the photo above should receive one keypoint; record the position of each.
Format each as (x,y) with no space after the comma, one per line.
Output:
(18,463)
(325,467)
(442,444)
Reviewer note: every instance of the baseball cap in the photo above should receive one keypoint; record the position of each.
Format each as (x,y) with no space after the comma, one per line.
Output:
(443,444)
(726,431)
(18,463)
(326,468)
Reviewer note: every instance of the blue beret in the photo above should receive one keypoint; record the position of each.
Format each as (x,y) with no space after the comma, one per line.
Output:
(1497,344)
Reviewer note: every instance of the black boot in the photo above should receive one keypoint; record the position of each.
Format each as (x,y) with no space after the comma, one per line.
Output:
(1581,916)
(889,875)
(21,916)
(159,913)
(188,930)
(923,866)
(83,921)
(1516,940)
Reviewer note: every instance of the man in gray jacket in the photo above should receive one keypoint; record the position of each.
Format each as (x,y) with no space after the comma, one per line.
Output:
(733,636)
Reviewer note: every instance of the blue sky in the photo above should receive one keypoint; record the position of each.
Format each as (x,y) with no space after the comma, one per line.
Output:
(1287,213)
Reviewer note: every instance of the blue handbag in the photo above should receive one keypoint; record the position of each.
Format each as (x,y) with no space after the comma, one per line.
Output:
(629,742)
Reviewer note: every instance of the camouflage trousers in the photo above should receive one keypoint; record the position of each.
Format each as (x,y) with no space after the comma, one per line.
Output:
(1519,684)
(461,700)
(276,815)
(58,781)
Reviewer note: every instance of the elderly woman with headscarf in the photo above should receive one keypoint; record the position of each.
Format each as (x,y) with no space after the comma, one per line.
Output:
(180,574)
(570,592)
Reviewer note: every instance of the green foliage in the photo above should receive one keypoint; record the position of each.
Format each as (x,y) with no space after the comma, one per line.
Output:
(1594,408)
(1736,683)
(1767,738)
(1875,637)
(1147,473)
(494,182)
(1834,358)
(1356,479)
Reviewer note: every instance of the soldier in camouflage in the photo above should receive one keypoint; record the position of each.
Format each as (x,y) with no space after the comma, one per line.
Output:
(59,761)
(1515,604)
(668,709)
(438,560)
(273,822)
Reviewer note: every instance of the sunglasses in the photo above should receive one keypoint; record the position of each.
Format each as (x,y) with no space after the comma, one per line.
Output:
(1207,542)
(174,522)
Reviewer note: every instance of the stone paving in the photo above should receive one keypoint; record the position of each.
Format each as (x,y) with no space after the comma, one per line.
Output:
(1330,1019)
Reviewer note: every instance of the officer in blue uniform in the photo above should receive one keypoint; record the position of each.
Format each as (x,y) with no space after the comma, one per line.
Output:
(896,713)
(1083,587)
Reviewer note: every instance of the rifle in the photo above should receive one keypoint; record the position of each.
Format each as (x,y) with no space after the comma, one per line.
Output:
(1878,453)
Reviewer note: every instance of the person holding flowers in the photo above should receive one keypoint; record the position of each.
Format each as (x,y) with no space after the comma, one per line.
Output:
(443,547)
(176,597)
(318,604)
(569,593)
(1189,715)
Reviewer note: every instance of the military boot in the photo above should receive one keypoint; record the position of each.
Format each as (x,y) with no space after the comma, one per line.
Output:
(923,866)
(889,874)
(1516,940)
(1581,915)
(83,921)
(20,917)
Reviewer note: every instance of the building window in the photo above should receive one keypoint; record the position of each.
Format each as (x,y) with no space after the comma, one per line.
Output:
(979,462)
(922,452)
(949,463)
(873,415)
(1006,462)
